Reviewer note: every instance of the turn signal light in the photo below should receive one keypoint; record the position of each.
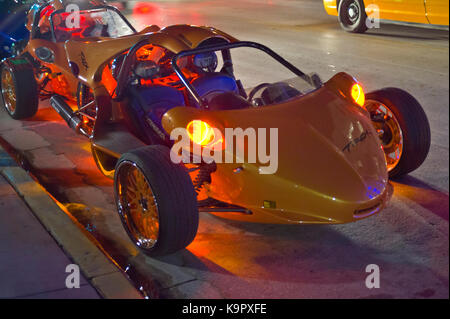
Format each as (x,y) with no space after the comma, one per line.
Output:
(358,94)
(200,132)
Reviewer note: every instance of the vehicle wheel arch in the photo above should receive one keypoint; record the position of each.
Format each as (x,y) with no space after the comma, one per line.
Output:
(105,162)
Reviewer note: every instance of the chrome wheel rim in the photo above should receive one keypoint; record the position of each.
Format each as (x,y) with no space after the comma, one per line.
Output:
(389,132)
(137,205)
(353,12)
(8,91)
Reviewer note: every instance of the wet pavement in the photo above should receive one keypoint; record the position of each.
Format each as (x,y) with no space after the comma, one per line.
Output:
(408,240)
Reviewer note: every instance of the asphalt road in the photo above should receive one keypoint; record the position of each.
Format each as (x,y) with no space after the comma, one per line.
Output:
(409,240)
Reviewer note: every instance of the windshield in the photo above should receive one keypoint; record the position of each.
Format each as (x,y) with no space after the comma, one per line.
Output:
(250,70)
(103,22)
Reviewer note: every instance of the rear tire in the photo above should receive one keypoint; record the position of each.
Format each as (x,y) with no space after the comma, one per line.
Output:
(19,89)
(352,16)
(156,200)
(414,128)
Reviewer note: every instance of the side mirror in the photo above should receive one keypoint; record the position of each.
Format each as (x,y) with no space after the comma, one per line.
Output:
(45,54)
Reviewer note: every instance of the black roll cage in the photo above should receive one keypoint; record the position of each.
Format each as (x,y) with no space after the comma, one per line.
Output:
(226,47)
(129,58)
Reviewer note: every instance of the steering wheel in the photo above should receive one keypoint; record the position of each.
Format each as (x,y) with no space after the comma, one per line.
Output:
(256,89)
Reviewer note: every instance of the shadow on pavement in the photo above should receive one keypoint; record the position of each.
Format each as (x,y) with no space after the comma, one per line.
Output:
(423,194)
(283,253)
(408,32)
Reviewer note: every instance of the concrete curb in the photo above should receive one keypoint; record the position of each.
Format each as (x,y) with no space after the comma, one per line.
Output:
(77,243)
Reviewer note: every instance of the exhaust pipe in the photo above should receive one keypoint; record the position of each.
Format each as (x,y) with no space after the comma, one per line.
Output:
(65,111)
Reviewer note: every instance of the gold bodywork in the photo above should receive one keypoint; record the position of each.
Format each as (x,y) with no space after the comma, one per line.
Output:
(317,181)
(92,54)
(415,11)
(99,51)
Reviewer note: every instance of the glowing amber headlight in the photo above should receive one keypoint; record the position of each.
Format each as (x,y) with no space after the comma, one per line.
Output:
(200,132)
(358,94)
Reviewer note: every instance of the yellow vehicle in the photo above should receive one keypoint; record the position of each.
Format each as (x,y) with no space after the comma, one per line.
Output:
(352,14)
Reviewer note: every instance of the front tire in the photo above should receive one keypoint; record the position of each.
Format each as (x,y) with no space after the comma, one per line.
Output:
(156,200)
(403,128)
(352,16)
(19,89)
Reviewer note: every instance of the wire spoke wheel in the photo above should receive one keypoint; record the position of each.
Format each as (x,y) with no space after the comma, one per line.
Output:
(389,132)
(137,205)
(8,91)
(19,89)
(156,200)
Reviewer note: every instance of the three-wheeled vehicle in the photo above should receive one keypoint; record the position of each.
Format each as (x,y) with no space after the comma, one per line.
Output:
(127,91)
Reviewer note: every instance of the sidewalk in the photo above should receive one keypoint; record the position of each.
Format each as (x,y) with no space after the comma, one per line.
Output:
(38,240)
(32,265)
